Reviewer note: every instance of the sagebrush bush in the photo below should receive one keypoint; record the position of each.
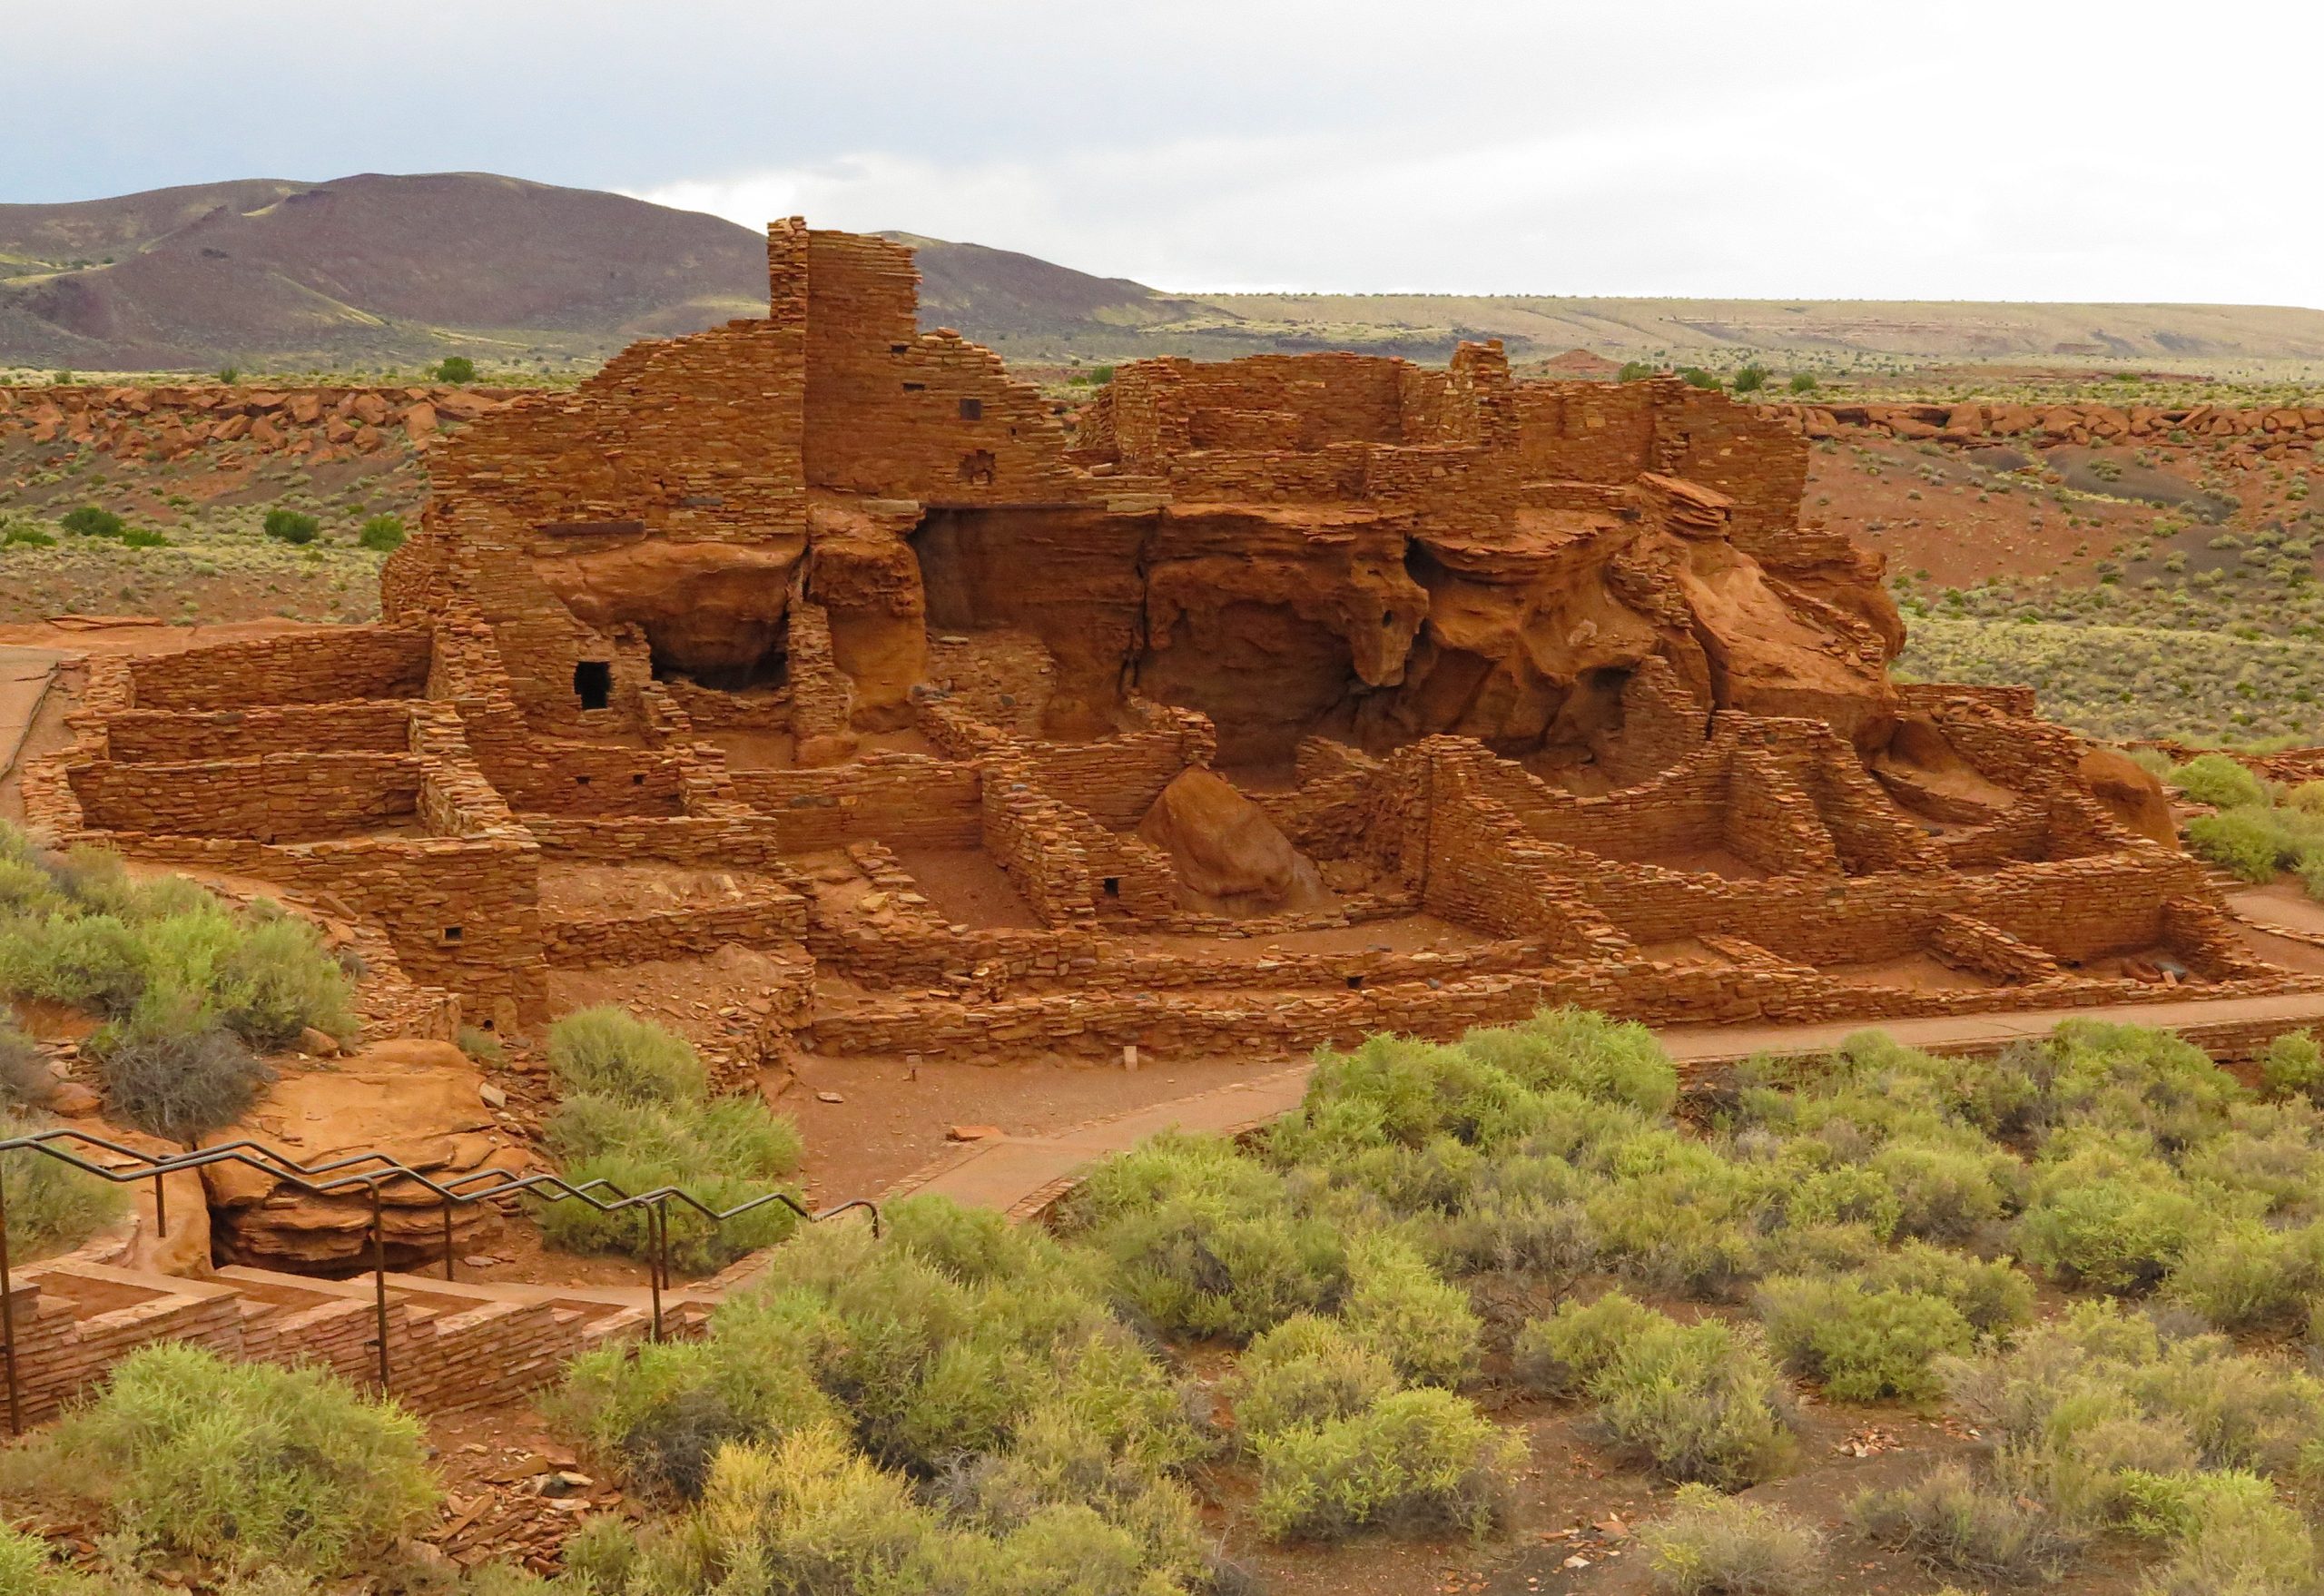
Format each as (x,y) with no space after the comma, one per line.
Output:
(1859,1343)
(24,1078)
(178,1077)
(1698,1402)
(1713,1545)
(1953,1521)
(26,1567)
(1396,1304)
(2057,1379)
(2241,1275)
(960,1384)
(2220,780)
(1206,1241)
(1608,1060)
(608,1052)
(1306,1373)
(381,534)
(247,1462)
(658,1413)
(2114,1232)
(2293,1065)
(2231,1536)
(289,525)
(1413,1461)
(53,1207)
(2253,842)
(721,1154)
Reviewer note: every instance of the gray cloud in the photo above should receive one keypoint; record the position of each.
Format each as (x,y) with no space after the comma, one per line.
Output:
(1784,148)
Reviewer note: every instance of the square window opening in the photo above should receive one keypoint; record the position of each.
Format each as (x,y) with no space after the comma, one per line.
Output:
(972,410)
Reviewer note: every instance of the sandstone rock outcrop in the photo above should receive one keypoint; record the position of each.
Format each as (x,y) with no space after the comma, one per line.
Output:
(418,1102)
(1228,856)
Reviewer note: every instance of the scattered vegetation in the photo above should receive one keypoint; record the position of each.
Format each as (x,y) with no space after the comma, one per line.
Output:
(53,1207)
(1713,1545)
(637,1113)
(381,534)
(247,1463)
(289,526)
(189,985)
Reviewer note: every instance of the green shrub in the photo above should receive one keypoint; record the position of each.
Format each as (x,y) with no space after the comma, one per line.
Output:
(53,1207)
(2220,781)
(1559,1356)
(26,1570)
(1952,1521)
(266,977)
(1749,379)
(456,369)
(2231,1535)
(144,537)
(1306,1373)
(1995,1297)
(2241,1275)
(658,1413)
(289,525)
(26,537)
(606,1052)
(1802,382)
(1608,1060)
(1861,1344)
(481,1046)
(1681,1217)
(1413,1462)
(1397,1306)
(721,1154)
(2115,1233)
(381,534)
(248,1462)
(178,1077)
(2060,1378)
(88,961)
(1699,1402)
(2252,843)
(2293,1066)
(24,1078)
(1204,1241)
(89,521)
(1942,1193)
(1714,1545)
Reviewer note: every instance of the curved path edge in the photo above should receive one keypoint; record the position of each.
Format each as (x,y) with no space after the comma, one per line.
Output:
(1024,1176)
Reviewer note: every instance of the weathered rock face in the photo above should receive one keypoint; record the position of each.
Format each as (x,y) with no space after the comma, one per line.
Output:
(2132,795)
(711,611)
(1229,857)
(418,1102)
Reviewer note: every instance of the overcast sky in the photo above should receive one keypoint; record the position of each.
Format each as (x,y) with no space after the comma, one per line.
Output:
(2045,149)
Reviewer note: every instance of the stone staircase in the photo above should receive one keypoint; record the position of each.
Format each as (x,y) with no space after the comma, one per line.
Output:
(452,1346)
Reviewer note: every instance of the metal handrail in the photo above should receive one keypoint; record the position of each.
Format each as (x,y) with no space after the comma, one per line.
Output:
(351,1174)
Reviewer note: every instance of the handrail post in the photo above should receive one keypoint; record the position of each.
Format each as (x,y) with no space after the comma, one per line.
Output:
(8,1311)
(161,1209)
(380,1284)
(448,1238)
(657,1225)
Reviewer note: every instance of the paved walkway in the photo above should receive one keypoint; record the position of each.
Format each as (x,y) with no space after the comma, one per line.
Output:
(1022,1176)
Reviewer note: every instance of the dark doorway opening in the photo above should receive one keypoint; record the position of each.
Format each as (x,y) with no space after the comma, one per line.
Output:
(593,682)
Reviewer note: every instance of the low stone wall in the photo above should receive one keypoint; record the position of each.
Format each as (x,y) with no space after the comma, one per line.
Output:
(760,921)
